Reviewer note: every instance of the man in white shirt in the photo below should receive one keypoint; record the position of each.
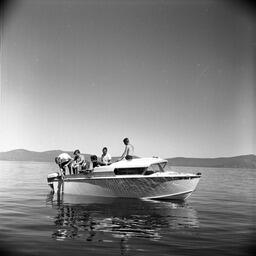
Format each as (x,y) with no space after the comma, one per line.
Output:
(105,158)
(64,160)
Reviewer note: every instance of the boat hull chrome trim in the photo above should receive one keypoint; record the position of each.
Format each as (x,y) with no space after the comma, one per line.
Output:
(85,179)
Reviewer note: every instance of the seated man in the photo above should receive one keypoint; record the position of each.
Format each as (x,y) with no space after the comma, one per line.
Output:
(94,162)
(64,161)
(105,158)
(128,151)
(79,162)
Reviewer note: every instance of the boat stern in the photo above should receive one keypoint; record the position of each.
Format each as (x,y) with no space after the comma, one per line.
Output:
(53,178)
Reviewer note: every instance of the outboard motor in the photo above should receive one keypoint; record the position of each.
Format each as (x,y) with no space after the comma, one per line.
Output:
(51,177)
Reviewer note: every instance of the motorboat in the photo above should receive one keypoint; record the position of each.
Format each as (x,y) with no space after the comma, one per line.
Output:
(147,178)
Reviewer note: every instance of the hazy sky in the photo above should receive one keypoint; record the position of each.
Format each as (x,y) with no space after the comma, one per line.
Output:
(176,77)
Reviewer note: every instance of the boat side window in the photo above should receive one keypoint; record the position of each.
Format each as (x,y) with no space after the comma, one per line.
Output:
(129,171)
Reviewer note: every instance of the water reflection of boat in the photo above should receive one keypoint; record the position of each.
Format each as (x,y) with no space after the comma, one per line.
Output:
(102,219)
(136,178)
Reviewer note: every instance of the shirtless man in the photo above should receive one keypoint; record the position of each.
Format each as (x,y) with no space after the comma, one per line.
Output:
(128,151)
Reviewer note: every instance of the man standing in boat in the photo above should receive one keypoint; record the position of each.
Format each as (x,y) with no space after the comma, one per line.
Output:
(128,151)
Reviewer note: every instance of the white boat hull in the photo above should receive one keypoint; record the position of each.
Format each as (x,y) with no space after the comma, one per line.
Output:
(157,187)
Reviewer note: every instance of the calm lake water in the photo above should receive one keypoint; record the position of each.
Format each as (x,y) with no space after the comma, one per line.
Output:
(218,219)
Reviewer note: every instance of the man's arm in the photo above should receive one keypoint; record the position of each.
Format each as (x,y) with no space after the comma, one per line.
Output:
(124,154)
(82,159)
(109,158)
(61,171)
(70,160)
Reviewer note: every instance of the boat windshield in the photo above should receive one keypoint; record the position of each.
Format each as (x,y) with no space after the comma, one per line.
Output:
(153,168)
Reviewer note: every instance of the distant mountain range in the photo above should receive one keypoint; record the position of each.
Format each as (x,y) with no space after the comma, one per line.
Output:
(32,156)
(245,161)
